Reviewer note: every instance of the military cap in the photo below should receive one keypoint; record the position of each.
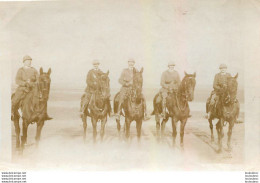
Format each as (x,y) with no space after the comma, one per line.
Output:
(26,57)
(171,64)
(131,60)
(95,62)
(222,66)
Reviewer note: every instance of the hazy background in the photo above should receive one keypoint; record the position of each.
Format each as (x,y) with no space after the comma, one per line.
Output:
(197,35)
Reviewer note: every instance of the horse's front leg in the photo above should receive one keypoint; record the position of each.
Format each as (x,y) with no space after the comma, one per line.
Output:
(183,123)
(230,127)
(158,126)
(118,126)
(17,131)
(164,121)
(219,128)
(211,129)
(84,120)
(39,131)
(94,125)
(24,137)
(127,127)
(174,130)
(139,128)
(103,124)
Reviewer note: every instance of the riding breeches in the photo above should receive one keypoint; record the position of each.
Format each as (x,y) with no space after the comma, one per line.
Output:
(85,99)
(19,95)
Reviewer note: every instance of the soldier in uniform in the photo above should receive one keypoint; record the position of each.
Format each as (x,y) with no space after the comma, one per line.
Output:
(126,80)
(26,77)
(220,84)
(170,82)
(93,77)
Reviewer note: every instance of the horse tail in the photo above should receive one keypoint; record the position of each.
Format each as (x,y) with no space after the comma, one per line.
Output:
(115,105)
(155,108)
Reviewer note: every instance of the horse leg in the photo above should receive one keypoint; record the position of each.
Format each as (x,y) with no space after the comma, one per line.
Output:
(17,132)
(174,130)
(219,128)
(127,128)
(94,125)
(139,128)
(211,129)
(24,137)
(183,123)
(84,120)
(230,127)
(102,131)
(39,131)
(118,126)
(157,119)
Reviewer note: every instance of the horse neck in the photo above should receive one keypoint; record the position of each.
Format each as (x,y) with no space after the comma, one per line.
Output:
(98,102)
(181,94)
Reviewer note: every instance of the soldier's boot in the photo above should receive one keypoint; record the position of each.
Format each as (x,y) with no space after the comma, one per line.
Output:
(47,117)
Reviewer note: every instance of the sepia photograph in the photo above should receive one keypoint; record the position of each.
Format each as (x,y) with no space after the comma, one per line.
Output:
(129,85)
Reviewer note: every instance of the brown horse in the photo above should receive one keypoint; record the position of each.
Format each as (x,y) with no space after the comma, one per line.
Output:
(226,110)
(177,106)
(99,107)
(133,106)
(34,109)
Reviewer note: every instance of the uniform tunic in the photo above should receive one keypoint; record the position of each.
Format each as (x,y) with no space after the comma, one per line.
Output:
(169,80)
(220,80)
(22,76)
(126,80)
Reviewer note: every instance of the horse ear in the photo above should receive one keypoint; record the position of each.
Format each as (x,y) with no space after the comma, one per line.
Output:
(236,75)
(107,72)
(142,69)
(194,74)
(41,70)
(49,71)
(185,73)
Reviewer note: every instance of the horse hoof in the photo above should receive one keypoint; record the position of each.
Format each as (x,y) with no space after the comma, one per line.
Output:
(212,140)
(219,151)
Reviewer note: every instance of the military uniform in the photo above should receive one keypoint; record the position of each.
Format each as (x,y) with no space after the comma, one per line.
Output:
(220,83)
(92,85)
(25,78)
(169,81)
(126,80)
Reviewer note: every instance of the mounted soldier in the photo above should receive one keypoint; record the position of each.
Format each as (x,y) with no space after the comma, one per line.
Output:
(126,80)
(92,81)
(170,82)
(26,78)
(219,85)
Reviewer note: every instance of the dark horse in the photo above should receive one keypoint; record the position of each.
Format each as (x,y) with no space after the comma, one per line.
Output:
(177,106)
(227,109)
(99,107)
(133,106)
(34,109)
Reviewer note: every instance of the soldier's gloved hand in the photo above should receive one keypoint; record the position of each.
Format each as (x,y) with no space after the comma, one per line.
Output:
(27,84)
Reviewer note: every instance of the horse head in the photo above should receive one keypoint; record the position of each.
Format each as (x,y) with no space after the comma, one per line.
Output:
(104,84)
(44,83)
(232,87)
(188,85)
(138,82)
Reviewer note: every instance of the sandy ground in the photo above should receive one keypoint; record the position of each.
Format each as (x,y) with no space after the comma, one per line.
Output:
(62,145)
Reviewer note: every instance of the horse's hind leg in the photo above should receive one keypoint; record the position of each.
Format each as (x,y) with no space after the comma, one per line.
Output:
(39,131)
(24,137)
(84,120)
(17,132)
(94,125)
(230,127)
(183,123)
(102,131)
(211,129)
